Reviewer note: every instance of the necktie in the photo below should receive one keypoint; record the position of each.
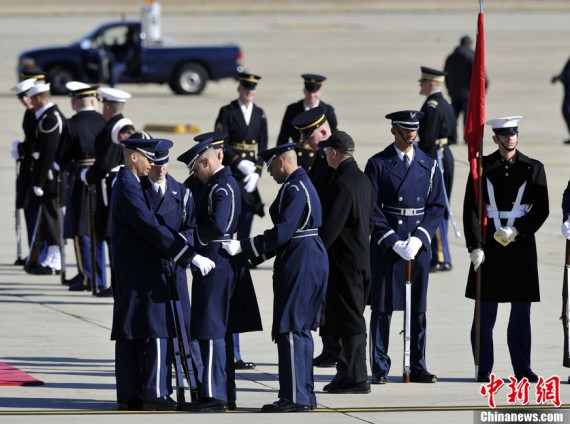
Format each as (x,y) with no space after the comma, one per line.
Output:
(407,161)
(160,191)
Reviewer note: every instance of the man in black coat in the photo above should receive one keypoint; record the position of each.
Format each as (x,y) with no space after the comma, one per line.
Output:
(564,78)
(246,126)
(289,133)
(516,199)
(347,214)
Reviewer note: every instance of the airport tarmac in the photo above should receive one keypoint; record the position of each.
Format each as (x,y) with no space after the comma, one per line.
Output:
(372,64)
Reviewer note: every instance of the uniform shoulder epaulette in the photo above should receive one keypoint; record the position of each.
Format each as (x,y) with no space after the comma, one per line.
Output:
(432,103)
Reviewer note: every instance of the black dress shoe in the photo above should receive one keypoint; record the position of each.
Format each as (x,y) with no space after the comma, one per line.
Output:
(73,281)
(130,405)
(529,374)
(422,376)
(284,405)
(359,388)
(379,378)
(232,406)
(20,261)
(79,287)
(483,377)
(207,404)
(446,266)
(566,141)
(240,365)
(163,403)
(324,361)
(108,292)
(44,270)
(337,380)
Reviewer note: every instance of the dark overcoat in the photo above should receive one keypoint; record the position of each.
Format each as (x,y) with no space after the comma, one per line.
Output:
(347,220)
(397,187)
(25,197)
(217,212)
(175,209)
(300,269)
(509,273)
(141,308)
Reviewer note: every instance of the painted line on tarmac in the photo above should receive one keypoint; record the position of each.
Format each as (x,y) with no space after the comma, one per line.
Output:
(317,410)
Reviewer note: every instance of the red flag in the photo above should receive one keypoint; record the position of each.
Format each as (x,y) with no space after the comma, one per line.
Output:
(475,121)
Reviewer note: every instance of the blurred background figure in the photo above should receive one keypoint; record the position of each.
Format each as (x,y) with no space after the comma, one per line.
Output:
(564,78)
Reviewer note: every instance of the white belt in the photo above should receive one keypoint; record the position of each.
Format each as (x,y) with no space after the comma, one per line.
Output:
(518,213)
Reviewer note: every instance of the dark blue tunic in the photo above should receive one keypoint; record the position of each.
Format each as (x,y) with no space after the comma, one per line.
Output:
(301,264)
(397,187)
(142,307)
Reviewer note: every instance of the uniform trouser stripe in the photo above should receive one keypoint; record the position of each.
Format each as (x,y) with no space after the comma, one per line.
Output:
(210,361)
(158,363)
(293,371)
(439,243)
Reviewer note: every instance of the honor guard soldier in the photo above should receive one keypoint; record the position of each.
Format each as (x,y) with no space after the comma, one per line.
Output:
(50,125)
(77,153)
(313,127)
(213,322)
(143,324)
(246,126)
(300,274)
(108,157)
(22,153)
(289,133)
(516,199)
(347,218)
(438,129)
(408,204)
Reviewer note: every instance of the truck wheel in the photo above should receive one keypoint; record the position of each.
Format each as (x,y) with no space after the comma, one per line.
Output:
(191,78)
(58,77)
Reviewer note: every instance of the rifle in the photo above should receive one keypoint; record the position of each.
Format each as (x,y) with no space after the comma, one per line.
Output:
(566,308)
(19,260)
(60,224)
(182,354)
(92,237)
(447,205)
(407,322)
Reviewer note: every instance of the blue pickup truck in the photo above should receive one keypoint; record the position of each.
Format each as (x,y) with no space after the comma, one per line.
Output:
(92,59)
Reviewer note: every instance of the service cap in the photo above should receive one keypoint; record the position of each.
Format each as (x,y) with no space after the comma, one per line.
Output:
(313,82)
(309,121)
(38,89)
(114,95)
(431,74)
(509,125)
(270,154)
(248,80)
(218,138)
(407,119)
(23,86)
(191,156)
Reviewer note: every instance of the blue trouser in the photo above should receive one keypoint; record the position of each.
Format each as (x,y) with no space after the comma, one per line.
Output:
(380,337)
(237,353)
(83,254)
(143,368)
(518,336)
(439,245)
(295,357)
(218,374)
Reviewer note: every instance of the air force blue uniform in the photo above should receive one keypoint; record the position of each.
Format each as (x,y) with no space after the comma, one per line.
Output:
(408,202)
(299,282)
(142,315)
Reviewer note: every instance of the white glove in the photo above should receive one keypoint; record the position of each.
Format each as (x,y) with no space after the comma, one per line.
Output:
(233,247)
(83,176)
(204,264)
(566,230)
(38,191)
(246,166)
(414,246)
(56,166)
(477,257)
(14,152)
(401,248)
(36,155)
(250,181)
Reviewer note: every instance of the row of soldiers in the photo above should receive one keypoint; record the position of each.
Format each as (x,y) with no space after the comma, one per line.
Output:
(398,204)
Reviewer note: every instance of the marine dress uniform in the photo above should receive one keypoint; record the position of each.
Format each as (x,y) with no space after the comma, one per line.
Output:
(247,133)
(288,133)
(300,274)
(408,202)
(213,321)
(143,325)
(515,196)
(438,129)
(50,125)
(77,153)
